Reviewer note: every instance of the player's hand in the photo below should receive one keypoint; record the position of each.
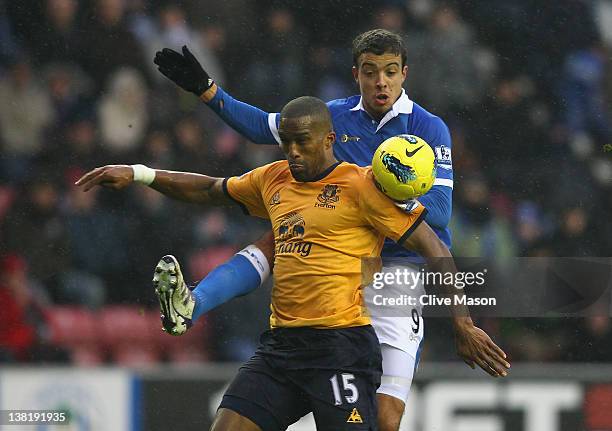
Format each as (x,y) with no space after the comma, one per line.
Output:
(112,176)
(184,70)
(474,346)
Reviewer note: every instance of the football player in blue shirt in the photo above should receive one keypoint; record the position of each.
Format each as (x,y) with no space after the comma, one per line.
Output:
(361,122)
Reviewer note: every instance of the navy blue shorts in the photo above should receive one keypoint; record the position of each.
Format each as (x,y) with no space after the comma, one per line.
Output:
(333,373)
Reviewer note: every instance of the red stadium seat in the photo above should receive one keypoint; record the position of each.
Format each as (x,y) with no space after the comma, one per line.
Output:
(124,325)
(188,354)
(204,261)
(158,336)
(190,347)
(7,196)
(135,355)
(87,355)
(73,326)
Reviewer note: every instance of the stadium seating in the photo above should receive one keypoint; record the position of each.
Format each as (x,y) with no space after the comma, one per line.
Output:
(126,335)
(73,326)
(87,355)
(204,261)
(189,347)
(136,355)
(121,325)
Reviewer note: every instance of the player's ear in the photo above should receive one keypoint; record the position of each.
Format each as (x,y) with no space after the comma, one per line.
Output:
(356,74)
(404,73)
(330,139)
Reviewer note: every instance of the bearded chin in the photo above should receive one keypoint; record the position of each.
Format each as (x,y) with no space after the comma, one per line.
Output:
(299,176)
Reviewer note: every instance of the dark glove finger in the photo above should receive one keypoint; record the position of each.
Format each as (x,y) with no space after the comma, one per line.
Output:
(190,58)
(171,53)
(169,58)
(160,59)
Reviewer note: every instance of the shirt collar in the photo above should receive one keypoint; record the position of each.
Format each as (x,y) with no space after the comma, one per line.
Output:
(403,105)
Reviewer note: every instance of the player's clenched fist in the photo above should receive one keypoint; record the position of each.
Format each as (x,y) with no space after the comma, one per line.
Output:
(113,176)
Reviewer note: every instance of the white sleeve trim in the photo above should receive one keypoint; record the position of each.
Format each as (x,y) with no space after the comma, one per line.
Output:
(257,259)
(272,126)
(443,182)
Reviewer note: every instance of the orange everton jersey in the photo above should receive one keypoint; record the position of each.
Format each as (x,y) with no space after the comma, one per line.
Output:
(322,229)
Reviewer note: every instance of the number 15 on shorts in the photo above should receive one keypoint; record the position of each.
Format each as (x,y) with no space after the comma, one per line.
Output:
(349,390)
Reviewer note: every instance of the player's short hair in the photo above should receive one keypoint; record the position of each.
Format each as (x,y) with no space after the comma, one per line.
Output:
(379,41)
(308,106)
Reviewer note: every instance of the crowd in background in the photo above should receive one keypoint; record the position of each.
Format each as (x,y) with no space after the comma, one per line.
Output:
(524,87)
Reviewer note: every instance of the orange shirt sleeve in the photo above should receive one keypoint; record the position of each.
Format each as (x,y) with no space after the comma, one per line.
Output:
(382,214)
(247,191)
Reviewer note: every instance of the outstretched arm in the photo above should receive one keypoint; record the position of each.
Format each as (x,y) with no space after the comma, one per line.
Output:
(185,71)
(474,346)
(183,186)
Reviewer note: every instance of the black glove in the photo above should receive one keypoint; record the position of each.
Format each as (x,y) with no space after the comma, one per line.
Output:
(184,70)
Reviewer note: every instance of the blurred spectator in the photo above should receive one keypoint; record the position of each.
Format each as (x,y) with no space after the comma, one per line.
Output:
(108,44)
(477,230)
(505,142)
(140,21)
(603,16)
(529,227)
(327,66)
(158,150)
(212,228)
(24,115)
(59,37)
(533,340)
(193,153)
(442,71)
(35,229)
(75,146)
(276,73)
(87,224)
(24,329)
(391,17)
(8,44)
(175,32)
(582,97)
(122,113)
(588,340)
(574,236)
(67,87)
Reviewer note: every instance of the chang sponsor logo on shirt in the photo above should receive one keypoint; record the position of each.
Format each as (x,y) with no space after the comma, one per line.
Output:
(291,229)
